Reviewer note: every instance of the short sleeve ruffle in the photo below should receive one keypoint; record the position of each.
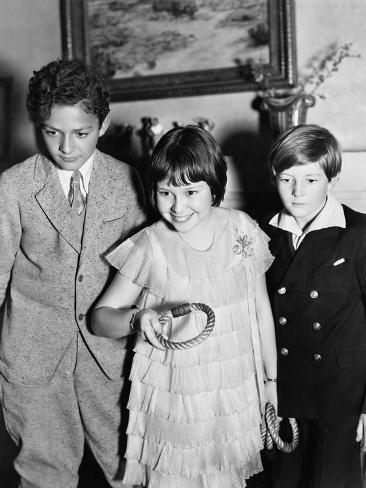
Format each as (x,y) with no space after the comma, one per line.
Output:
(132,258)
(262,258)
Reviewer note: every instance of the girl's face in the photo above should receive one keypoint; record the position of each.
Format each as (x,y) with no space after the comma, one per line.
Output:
(303,191)
(185,207)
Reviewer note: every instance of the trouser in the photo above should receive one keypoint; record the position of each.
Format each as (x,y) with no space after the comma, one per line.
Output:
(327,456)
(50,424)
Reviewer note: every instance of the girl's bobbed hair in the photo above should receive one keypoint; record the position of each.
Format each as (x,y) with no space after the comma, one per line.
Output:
(187,155)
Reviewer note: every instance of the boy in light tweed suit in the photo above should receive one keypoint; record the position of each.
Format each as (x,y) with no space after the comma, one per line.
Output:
(61,211)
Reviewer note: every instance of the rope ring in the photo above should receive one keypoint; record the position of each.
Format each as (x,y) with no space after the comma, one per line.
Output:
(185,309)
(269,432)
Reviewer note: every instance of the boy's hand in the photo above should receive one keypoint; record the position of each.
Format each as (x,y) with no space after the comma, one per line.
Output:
(361,432)
(270,394)
(147,324)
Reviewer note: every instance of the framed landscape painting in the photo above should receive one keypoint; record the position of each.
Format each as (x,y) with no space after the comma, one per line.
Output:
(168,48)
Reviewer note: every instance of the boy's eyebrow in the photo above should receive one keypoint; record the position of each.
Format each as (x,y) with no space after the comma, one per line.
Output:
(74,130)
(43,124)
(306,174)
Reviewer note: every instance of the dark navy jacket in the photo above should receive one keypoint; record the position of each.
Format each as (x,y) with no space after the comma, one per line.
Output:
(318,296)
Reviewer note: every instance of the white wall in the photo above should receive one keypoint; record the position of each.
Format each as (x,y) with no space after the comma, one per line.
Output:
(30,37)
(351,187)
(344,110)
(318,23)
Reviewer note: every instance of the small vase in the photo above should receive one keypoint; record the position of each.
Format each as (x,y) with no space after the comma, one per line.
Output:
(287,111)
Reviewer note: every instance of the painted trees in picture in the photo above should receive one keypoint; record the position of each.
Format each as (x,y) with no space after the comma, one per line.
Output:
(137,38)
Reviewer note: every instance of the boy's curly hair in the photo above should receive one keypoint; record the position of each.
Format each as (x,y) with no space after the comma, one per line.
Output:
(66,82)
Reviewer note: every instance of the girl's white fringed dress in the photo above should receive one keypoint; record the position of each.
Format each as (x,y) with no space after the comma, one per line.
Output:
(194,414)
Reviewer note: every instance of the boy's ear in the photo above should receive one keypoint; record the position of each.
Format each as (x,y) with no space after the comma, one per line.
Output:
(105,125)
(273,175)
(334,181)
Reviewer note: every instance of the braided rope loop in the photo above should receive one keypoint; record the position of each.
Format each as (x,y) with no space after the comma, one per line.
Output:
(185,309)
(269,432)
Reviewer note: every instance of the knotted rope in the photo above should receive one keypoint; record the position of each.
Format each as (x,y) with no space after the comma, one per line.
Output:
(269,432)
(185,309)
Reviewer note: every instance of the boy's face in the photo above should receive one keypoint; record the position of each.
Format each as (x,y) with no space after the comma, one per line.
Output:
(303,191)
(71,135)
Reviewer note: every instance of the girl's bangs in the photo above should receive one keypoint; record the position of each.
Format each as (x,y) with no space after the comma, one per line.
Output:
(183,171)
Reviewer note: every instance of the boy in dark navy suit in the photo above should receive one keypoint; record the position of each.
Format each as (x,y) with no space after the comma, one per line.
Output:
(317,286)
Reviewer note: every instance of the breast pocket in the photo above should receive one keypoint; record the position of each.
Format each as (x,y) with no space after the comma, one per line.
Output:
(338,275)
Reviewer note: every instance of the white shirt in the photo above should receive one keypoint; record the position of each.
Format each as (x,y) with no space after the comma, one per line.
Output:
(331,215)
(85,170)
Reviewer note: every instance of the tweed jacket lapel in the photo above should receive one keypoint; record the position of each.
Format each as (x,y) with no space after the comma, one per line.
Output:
(51,199)
(100,206)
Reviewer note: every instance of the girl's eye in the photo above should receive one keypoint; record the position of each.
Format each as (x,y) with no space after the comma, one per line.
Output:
(285,180)
(192,192)
(164,193)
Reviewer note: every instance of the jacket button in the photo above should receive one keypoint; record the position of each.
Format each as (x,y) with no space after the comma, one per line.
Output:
(81,316)
(80,278)
(284,351)
(282,321)
(317,357)
(314,294)
(282,290)
(316,326)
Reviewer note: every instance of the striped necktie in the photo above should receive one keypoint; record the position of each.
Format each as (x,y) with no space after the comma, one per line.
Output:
(76,198)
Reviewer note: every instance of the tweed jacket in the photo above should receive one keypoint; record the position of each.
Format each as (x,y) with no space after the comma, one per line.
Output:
(318,298)
(53,278)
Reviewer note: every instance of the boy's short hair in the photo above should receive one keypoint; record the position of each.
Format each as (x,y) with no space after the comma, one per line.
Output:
(67,82)
(304,144)
(187,155)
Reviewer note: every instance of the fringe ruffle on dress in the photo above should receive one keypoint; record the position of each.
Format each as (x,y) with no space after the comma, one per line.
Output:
(194,415)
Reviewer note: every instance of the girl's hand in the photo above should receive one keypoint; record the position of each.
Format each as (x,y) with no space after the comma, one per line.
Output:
(147,324)
(361,432)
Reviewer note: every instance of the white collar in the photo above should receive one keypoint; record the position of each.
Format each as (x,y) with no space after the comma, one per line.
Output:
(85,170)
(332,215)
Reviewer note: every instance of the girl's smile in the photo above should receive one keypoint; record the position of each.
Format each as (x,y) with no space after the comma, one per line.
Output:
(179,218)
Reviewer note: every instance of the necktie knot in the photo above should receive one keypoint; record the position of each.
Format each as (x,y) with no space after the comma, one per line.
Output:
(76,198)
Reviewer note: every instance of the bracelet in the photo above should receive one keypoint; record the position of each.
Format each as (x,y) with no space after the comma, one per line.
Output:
(132,322)
(274,380)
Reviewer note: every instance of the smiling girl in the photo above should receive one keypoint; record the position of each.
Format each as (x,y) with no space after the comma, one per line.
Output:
(195,413)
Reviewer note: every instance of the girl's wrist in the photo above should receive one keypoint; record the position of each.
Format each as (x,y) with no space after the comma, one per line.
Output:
(133,324)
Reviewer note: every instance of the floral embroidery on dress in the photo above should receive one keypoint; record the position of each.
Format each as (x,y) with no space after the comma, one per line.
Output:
(244,246)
